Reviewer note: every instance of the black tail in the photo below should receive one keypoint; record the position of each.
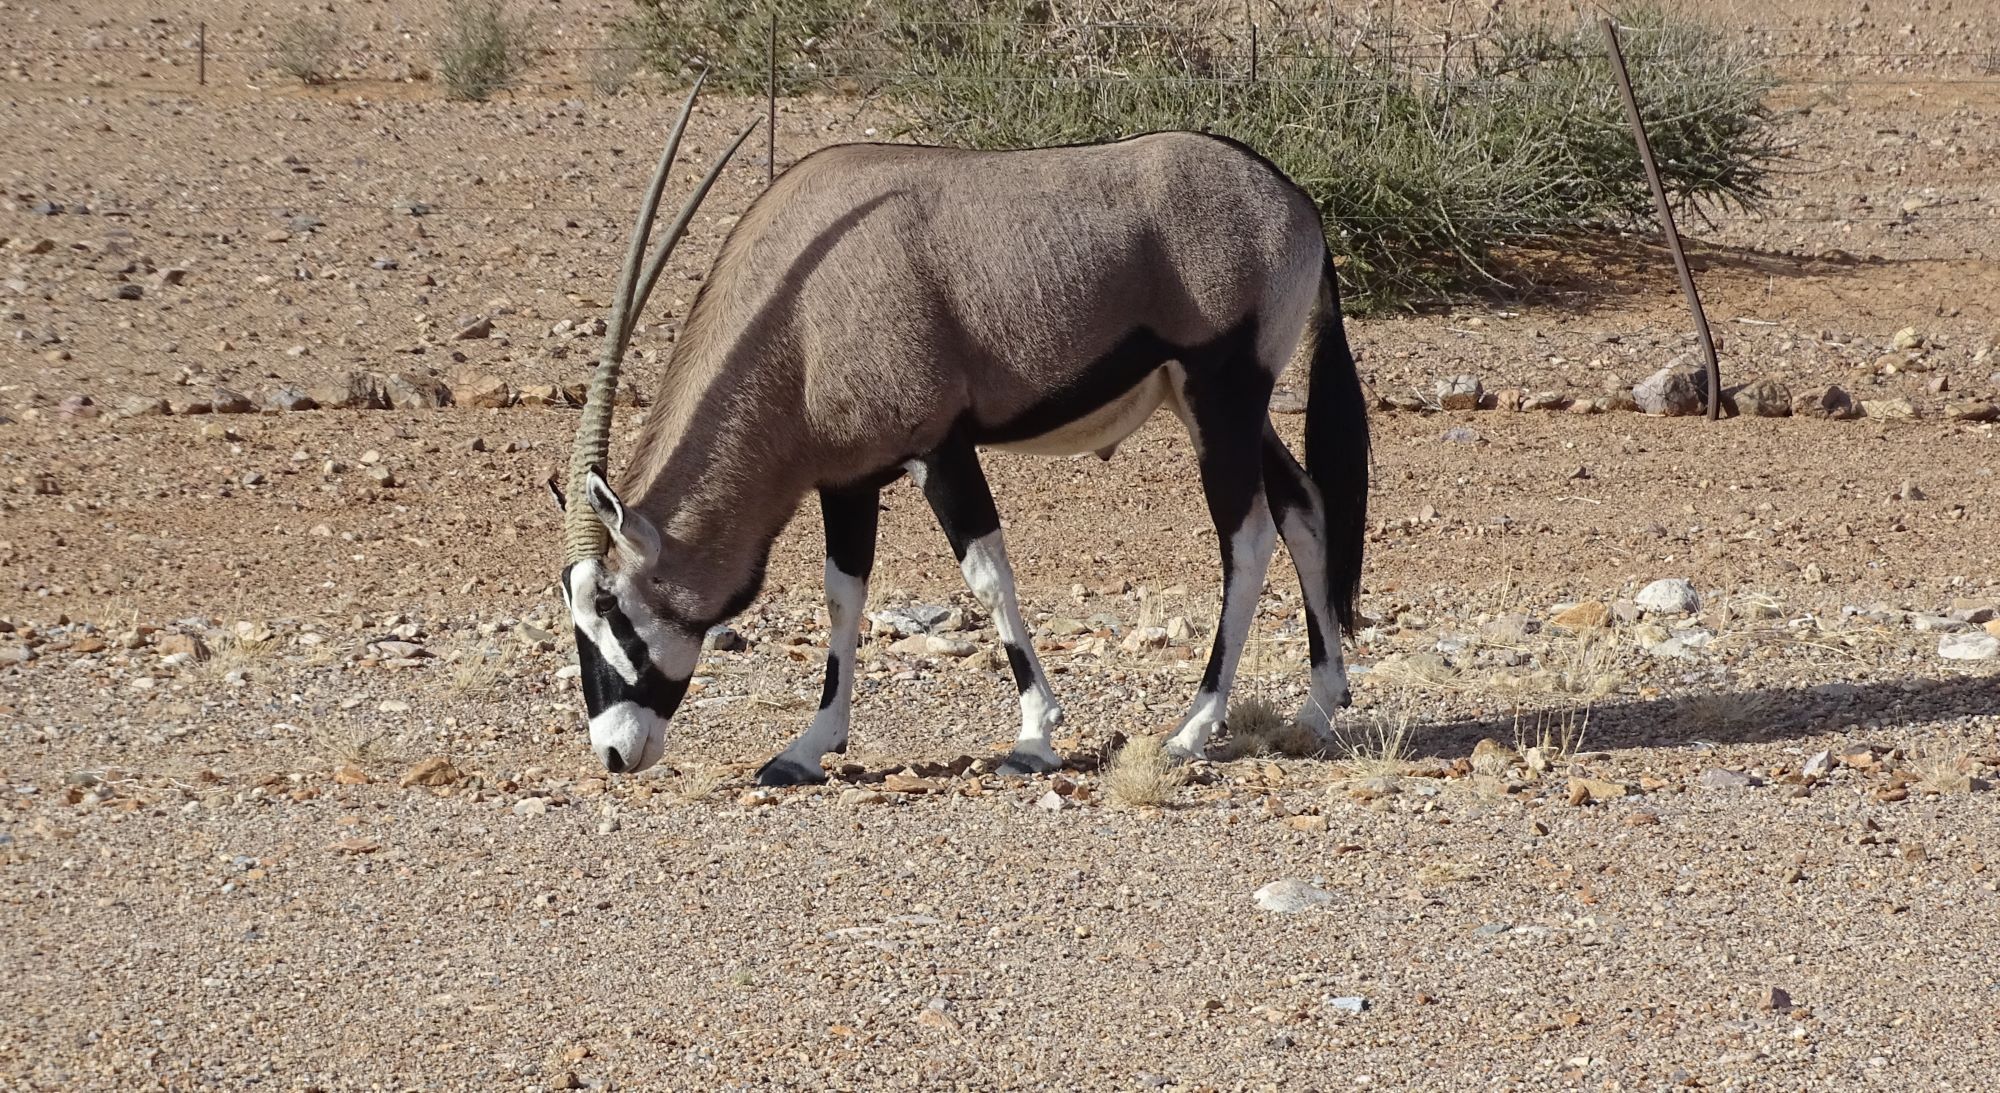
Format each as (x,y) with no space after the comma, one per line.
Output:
(1337,448)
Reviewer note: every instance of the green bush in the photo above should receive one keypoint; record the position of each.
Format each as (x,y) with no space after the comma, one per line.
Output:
(1425,167)
(482,50)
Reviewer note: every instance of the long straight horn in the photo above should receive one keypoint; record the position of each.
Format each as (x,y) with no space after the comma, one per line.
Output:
(583,534)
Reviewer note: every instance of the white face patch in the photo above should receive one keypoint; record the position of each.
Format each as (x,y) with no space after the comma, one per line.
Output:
(628,737)
(637,679)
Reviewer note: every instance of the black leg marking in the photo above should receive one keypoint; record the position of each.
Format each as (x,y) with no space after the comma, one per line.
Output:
(851,517)
(958,494)
(1227,395)
(957,491)
(1293,502)
(830,690)
(1024,672)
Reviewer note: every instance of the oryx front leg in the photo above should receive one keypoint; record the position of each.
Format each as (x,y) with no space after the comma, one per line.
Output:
(850,519)
(958,494)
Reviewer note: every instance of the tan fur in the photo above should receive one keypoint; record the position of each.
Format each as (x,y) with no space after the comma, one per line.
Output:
(877,295)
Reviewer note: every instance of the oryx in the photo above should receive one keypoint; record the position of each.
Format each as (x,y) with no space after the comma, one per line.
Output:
(890,309)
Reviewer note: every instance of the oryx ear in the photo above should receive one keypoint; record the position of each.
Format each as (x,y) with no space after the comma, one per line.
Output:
(635,535)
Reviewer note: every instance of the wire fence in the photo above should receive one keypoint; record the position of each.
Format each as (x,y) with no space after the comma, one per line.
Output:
(197,60)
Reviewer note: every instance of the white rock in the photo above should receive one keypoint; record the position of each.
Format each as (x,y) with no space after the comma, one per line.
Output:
(1975,646)
(1291,895)
(531,806)
(1669,596)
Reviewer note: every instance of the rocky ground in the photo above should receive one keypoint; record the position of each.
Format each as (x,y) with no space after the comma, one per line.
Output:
(293,789)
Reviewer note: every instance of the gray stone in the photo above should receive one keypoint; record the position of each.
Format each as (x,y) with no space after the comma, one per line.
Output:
(1973,410)
(143,406)
(1828,402)
(1763,398)
(475,330)
(1974,646)
(1673,391)
(1291,896)
(1459,393)
(409,391)
(1718,778)
(288,400)
(1669,596)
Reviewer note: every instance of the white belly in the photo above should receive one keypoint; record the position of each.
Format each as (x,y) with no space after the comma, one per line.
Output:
(1102,428)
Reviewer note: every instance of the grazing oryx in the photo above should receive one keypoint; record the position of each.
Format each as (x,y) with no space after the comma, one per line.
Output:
(890,309)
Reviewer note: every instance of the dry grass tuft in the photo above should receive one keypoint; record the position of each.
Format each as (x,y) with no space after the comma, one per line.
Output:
(698,783)
(479,673)
(1552,740)
(1938,775)
(1141,774)
(1377,745)
(1258,728)
(1716,713)
(347,744)
(306,48)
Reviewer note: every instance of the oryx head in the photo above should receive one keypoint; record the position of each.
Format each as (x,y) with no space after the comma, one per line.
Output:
(635,657)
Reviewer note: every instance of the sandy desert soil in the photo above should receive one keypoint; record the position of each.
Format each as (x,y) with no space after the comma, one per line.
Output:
(293,792)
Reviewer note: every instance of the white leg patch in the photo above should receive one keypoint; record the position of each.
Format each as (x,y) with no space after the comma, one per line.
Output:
(992,582)
(1250,556)
(845,597)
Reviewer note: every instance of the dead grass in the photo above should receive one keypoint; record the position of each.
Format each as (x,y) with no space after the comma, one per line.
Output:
(479,673)
(1377,745)
(698,783)
(1258,728)
(1938,771)
(1141,774)
(347,744)
(1548,740)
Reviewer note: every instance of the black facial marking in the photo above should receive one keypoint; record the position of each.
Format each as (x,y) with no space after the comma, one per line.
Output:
(1024,673)
(604,688)
(831,689)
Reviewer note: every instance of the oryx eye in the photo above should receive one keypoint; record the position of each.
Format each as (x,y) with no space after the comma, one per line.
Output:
(604,603)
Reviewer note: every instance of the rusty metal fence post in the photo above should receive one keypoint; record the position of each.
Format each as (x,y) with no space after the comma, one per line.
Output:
(1673,235)
(771,103)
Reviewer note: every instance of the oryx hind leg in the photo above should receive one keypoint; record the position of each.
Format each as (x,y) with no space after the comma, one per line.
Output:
(1223,394)
(1301,517)
(850,517)
(957,491)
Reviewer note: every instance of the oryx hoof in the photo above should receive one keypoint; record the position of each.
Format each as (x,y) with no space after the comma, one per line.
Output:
(785,772)
(1021,764)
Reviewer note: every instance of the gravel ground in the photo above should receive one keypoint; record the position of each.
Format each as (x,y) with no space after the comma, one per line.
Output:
(293,790)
